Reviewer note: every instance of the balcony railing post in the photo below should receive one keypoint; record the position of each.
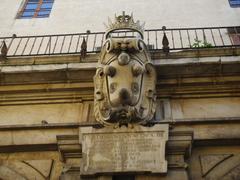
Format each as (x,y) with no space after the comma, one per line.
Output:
(13,37)
(83,51)
(4,50)
(165,41)
(50,38)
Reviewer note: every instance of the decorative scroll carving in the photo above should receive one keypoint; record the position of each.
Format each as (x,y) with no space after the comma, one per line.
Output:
(125,78)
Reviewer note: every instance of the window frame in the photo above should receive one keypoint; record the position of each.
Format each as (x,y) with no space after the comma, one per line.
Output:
(232,5)
(36,11)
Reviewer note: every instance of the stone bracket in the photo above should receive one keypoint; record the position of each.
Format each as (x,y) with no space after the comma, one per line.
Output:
(179,148)
(69,146)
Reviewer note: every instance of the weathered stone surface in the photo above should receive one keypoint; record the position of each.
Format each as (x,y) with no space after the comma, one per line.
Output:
(131,99)
(39,113)
(137,149)
(221,162)
(208,162)
(205,108)
(30,165)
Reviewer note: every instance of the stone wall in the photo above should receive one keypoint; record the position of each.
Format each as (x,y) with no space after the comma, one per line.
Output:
(44,105)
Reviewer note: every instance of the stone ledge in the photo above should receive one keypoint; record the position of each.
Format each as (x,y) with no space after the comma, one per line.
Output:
(172,122)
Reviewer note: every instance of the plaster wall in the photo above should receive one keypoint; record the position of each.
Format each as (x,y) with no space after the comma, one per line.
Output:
(80,15)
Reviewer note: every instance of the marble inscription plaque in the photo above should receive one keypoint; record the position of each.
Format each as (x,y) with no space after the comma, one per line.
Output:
(107,150)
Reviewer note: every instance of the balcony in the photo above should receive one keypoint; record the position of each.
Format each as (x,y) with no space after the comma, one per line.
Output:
(158,40)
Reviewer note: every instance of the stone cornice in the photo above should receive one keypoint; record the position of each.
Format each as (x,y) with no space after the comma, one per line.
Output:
(166,68)
(173,122)
(179,135)
(65,66)
(67,76)
(46,93)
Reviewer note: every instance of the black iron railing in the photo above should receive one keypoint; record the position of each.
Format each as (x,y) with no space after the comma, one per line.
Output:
(156,40)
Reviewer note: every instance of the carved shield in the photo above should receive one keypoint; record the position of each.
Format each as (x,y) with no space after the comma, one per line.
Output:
(124,83)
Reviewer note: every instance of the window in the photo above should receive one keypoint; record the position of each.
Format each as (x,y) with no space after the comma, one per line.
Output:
(36,9)
(234,3)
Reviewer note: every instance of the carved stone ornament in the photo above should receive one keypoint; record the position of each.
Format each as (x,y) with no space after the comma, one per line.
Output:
(125,77)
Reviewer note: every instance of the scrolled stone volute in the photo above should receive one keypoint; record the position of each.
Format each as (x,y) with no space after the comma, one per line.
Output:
(124,83)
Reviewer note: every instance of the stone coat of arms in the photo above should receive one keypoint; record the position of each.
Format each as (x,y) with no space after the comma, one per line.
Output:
(125,77)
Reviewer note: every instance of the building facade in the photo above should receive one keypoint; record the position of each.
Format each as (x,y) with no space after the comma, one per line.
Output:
(49,54)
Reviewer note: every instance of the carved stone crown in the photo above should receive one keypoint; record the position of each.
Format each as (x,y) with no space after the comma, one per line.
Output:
(124,22)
